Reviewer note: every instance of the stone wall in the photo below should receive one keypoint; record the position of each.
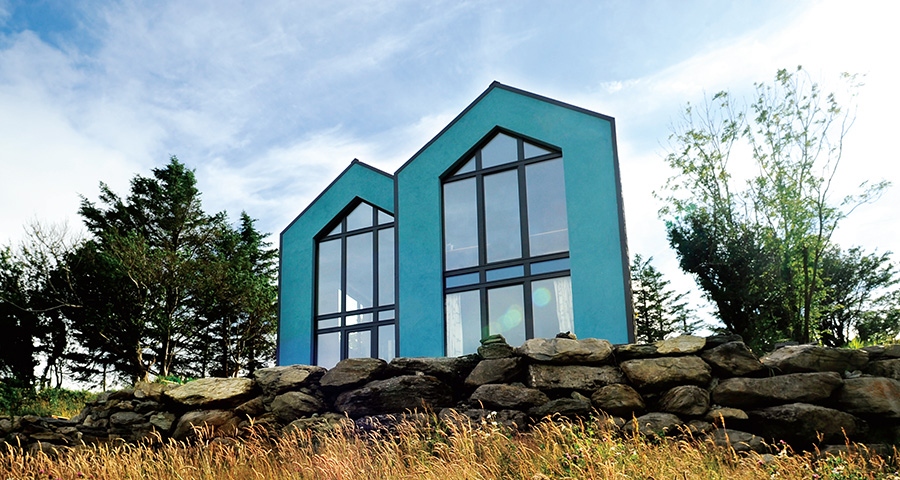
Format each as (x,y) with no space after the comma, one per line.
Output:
(806,395)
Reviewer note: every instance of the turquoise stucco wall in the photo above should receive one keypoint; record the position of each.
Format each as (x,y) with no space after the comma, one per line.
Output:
(296,289)
(597,246)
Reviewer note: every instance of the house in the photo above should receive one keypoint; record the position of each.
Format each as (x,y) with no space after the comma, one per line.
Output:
(508,221)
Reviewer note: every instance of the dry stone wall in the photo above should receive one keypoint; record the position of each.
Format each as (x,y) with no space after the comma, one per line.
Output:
(804,394)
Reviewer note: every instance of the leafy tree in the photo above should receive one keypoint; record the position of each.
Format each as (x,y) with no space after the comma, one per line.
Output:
(658,311)
(774,229)
(156,276)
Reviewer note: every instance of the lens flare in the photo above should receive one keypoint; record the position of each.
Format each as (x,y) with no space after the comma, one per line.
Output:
(541,297)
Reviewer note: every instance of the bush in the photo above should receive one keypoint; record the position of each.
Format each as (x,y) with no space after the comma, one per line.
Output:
(45,403)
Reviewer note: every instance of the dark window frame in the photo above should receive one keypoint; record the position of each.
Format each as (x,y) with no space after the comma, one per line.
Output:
(483,266)
(341,315)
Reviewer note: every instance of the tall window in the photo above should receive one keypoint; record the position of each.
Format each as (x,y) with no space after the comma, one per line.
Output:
(506,245)
(355,288)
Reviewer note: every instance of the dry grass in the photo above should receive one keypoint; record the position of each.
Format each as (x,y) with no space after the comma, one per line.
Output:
(554,449)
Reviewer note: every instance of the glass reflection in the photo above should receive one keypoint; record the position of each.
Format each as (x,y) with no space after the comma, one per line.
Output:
(328,349)
(386,342)
(501,216)
(360,271)
(501,149)
(506,313)
(359,344)
(463,312)
(548,229)
(460,224)
(386,267)
(551,302)
(329,277)
(360,217)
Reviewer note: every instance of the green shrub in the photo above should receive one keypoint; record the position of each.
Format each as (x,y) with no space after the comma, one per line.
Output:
(45,403)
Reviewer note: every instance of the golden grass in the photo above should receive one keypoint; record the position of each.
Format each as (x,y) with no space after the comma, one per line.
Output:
(446,451)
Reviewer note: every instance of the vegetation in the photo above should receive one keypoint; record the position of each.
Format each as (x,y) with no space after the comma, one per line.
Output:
(159,287)
(761,249)
(658,310)
(45,403)
(554,449)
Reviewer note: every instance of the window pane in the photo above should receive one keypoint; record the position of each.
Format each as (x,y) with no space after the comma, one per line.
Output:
(502,149)
(550,266)
(360,271)
(336,230)
(460,224)
(330,322)
(386,266)
(359,344)
(386,343)
(548,230)
(460,280)
(360,217)
(468,167)
(506,313)
(329,277)
(501,216)
(532,151)
(357,319)
(386,315)
(463,312)
(328,349)
(504,273)
(551,301)
(384,218)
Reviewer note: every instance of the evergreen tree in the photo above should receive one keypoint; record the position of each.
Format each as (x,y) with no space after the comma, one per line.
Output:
(658,310)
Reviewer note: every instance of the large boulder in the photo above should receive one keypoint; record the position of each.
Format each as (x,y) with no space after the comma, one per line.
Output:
(681,345)
(353,372)
(212,422)
(450,370)
(499,396)
(791,388)
(619,400)
(495,370)
(653,424)
(812,358)
(689,400)
(566,351)
(290,406)
(277,380)
(802,423)
(732,359)
(655,374)
(889,368)
(737,440)
(870,396)
(630,351)
(572,377)
(575,406)
(209,393)
(395,395)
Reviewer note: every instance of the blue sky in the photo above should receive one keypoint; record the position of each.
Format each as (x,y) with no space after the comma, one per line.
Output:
(269,101)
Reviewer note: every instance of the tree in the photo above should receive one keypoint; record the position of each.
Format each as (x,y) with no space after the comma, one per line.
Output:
(155,277)
(658,311)
(774,229)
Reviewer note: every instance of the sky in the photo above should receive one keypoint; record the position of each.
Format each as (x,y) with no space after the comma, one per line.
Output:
(269,101)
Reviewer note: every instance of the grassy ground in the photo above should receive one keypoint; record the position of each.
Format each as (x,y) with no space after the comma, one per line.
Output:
(554,449)
(44,403)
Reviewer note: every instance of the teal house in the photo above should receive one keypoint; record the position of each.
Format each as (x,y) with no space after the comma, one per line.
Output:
(508,221)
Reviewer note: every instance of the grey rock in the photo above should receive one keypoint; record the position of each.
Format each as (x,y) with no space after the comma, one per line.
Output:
(123,419)
(632,351)
(251,408)
(618,400)
(216,422)
(722,415)
(212,392)
(870,396)
(322,424)
(655,374)
(567,351)
(889,368)
(733,359)
(681,345)
(653,424)
(512,397)
(812,358)
(450,370)
(791,388)
(714,341)
(572,377)
(395,395)
(495,370)
(737,440)
(576,406)
(290,406)
(496,350)
(163,421)
(689,400)
(510,419)
(6,426)
(151,390)
(803,423)
(277,380)
(353,372)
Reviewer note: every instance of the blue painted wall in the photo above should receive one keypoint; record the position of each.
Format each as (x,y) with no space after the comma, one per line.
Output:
(601,288)
(297,264)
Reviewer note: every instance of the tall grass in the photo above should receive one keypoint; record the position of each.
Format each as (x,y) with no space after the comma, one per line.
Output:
(445,451)
(44,403)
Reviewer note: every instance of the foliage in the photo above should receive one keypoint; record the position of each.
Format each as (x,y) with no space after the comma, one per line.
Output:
(455,450)
(758,246)
(43,403)
(658,311)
